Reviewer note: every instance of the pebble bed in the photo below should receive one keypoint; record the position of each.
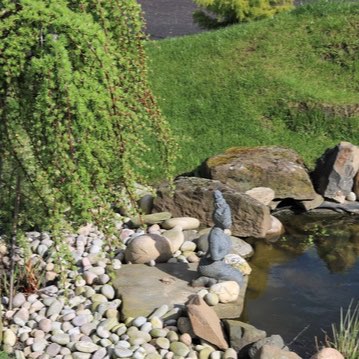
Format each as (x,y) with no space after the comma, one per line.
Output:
(82,321)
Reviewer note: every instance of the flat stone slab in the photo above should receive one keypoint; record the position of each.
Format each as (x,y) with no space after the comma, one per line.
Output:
(143,289)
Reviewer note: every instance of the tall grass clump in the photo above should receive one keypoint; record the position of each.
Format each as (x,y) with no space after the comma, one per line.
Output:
(346,336)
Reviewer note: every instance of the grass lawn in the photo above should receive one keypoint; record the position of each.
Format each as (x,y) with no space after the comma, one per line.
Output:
(292,80)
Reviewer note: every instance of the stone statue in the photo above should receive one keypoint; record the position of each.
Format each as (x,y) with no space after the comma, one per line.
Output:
(212,266)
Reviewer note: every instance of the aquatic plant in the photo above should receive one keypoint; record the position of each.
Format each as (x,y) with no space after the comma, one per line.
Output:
(346,336)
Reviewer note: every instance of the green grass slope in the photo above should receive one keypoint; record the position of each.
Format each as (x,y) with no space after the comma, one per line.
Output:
(292,80)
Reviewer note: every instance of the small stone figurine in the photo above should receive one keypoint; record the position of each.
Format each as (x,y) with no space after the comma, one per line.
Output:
(212,266)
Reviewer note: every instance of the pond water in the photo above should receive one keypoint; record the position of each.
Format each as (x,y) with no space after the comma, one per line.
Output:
(300,282)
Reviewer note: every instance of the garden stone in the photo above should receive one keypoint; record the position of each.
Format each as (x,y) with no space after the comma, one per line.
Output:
(205,353)
(108,291)
(205,322)
(175,237)
(216,355)
(99,354)
(39,345)
(102,332)
(80,320)
(61,338)
(21,317)
(53,349)
(99,298)
(55,308)
(90,277)
(109,324)
(188,246)
(184,223)
(45,325)
(226,291)
(211,299)
(103,279)
(236,261)
(139,321)
(18,300)
(9,337)
(86,347)
(79,355)
(179,348)
(186,339)
(230,353)
(157,332)
(150,219)
(147,327)
(163,343)
(123,352)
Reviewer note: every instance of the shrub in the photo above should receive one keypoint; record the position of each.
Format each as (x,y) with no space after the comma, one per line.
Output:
(76,113)
(230,11)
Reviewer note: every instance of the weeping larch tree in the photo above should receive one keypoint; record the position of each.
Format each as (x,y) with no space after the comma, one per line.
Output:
(77,117)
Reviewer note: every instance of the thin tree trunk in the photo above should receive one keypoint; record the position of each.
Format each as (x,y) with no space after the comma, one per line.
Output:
(13,236)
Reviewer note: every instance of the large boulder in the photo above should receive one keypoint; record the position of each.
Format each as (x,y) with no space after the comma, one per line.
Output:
(192,196)
(335,170)
(278,168)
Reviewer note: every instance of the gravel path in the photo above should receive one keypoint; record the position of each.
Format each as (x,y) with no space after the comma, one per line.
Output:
(168,18)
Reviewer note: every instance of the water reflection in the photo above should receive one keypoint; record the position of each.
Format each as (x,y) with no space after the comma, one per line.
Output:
(302,280)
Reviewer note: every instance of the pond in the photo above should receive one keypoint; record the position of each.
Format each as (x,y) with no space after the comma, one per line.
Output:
(300,282)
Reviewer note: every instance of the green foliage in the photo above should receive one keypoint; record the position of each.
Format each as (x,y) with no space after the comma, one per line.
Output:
(346,336)
(76,112)
(230,11)
(262,83)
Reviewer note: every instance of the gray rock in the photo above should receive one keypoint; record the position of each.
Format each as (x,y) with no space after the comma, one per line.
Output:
(273,340)
(241,334)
